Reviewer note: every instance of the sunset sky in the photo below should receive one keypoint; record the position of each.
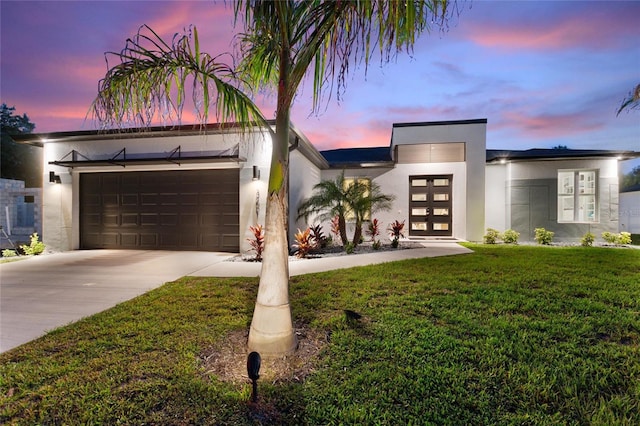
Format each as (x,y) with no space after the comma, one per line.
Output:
(544,73)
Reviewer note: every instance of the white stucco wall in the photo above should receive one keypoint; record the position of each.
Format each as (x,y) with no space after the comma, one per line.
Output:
(61,202)
(608,168)
(630,212)
(496,217)
(468,216)
(303,176)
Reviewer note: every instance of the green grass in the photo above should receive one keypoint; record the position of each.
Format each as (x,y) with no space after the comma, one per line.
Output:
(507,335)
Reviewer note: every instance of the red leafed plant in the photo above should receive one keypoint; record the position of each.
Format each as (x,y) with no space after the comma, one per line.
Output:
(335,226)
(318,236)
(257,242)
(304,243)
(373,231)
(395,232)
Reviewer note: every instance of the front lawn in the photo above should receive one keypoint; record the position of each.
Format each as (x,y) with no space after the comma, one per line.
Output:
(507,335)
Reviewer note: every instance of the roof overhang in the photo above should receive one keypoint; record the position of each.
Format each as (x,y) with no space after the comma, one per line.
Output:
(506,156)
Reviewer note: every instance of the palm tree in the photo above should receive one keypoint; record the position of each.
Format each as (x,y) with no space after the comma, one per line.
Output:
(329,199)
(364,200)
(282,42)
(356,200)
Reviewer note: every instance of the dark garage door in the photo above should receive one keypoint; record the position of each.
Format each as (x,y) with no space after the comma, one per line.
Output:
(161,210)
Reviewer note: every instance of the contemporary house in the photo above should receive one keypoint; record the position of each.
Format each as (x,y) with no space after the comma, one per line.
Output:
(200,188)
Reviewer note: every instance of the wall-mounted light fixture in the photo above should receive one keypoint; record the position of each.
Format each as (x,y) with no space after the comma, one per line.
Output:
(54,178)
(256,173)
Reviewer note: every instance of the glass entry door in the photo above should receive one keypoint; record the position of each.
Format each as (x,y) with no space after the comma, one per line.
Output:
(430,205)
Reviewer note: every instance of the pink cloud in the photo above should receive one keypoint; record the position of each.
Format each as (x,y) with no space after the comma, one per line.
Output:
(583,27)
(547,125)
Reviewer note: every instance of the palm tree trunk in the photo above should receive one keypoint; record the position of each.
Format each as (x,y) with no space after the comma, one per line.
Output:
(342,225)
(271,329)
(357,234)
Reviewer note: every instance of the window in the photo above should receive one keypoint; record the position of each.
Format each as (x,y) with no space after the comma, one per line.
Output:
(349,215)
(577,196)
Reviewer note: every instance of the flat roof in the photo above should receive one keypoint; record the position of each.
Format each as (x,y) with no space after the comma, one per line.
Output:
(442,123)
(553,153)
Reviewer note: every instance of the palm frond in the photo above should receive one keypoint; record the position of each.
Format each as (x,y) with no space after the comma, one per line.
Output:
(152,79)
(632,101)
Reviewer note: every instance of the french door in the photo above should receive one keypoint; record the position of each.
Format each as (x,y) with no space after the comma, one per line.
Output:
(430,205)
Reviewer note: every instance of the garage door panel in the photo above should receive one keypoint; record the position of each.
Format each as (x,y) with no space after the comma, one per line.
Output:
(129,240)
(149,240)
(172,210)
(130,219)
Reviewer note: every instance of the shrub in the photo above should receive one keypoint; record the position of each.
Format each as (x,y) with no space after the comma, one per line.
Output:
(623,238)
(542,236)
(373,230)
(609,237)
(9,253)
(349,248)
(257,242)
(395,232)
(588,239)
(491,237)
(34,248)
(335,225)
(510,236)
(304,243)
(318,236)
(619,239)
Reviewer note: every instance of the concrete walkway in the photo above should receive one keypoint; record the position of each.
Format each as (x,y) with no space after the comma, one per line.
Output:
(308,266)
(45,292)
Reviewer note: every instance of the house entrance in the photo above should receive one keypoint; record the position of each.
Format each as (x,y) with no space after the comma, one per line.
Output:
(430,202)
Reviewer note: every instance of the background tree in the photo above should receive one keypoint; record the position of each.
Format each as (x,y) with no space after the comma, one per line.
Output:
(282,42)
(19,161)
(630,179)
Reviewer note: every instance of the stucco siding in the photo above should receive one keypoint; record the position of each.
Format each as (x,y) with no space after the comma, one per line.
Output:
(630,212)
(496,197)
(534,205)
(303,176)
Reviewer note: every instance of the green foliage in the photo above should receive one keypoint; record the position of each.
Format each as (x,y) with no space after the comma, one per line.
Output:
(630,179)
(506,335)
(337,198)
(587,239)
(18,161)
(257,242)
(9,253)
(34,248)
(304,244)
(349,248)
(491,236)
(622,238)
(510,236)
(542,236)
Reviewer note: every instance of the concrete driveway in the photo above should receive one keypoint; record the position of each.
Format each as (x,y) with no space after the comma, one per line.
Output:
(45,292)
